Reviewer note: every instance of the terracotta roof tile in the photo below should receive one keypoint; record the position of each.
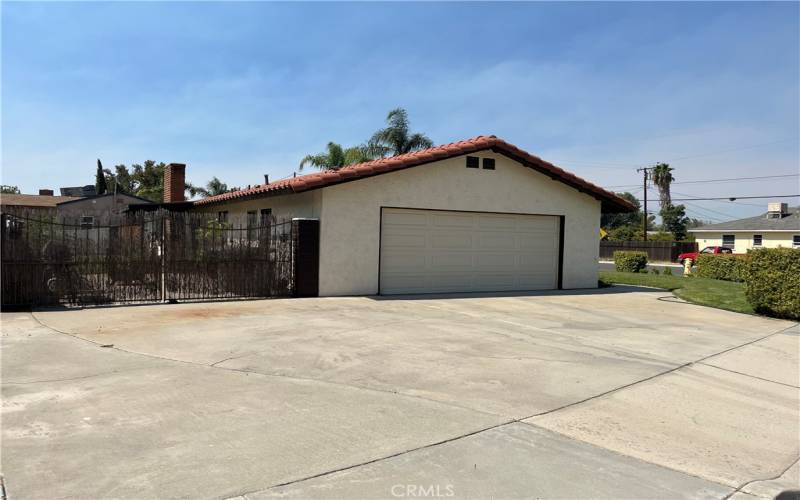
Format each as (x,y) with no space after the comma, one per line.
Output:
(611,202)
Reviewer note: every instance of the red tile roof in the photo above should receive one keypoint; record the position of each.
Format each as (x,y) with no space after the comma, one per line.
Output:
(610,201)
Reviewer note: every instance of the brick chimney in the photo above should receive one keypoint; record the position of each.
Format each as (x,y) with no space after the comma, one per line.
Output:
(174,182)
(45,192)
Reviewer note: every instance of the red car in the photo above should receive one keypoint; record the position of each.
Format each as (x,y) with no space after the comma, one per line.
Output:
(707,250)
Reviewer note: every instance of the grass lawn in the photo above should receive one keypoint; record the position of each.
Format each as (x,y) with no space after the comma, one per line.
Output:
(706,292)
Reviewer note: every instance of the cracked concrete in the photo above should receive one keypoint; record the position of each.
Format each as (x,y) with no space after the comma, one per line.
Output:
(223,399)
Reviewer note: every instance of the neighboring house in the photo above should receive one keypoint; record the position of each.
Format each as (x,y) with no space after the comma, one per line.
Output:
(778,227)
(79,191)
(475,215)
(43,204)
(97,210)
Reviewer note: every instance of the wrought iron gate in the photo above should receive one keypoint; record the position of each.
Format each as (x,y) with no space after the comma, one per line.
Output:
(153,257)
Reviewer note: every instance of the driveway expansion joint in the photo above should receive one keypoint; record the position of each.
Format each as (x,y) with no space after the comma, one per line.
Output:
(68,379)
(748,375)
(758,480)
(621,454)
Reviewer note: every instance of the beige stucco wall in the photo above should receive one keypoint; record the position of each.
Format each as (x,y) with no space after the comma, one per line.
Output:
(350,216)
(744,241)
(306,204)
(104,209)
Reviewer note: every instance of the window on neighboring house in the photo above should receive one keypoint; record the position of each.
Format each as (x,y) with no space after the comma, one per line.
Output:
(473,162)
(222,216)
(488,163)
(728,240)
(756,240)
(87,221)
(796,241)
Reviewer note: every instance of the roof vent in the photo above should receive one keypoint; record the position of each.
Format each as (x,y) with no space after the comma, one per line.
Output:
(777,210)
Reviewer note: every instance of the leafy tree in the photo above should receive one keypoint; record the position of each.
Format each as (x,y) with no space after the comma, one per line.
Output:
(661,236)
(396,138)
(100,179)
(662,178)
(693,223)
(674,220)
(337,157)
(627,226)
(213,187)
(628,232)
(610,221)
(6,189)
(145,181)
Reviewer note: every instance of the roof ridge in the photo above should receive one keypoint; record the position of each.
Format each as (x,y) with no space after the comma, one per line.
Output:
(382,165)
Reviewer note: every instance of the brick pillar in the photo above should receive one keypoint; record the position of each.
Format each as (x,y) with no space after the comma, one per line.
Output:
(305,240)
(174,182)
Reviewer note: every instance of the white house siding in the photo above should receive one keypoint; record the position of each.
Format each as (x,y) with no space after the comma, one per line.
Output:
(744,240)
(284,207)
(350,216)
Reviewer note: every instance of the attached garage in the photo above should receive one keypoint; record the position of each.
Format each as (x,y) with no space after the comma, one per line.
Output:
(479,215)
(436,251)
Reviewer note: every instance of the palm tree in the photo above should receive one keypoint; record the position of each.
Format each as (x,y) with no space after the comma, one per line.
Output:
(213,188)
(337,157)
(662,178)
(396,139)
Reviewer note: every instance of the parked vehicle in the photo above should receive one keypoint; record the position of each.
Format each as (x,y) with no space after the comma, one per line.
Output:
(708,251)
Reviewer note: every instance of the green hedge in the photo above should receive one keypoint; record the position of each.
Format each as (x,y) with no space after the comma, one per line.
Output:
(772,282)
(722,267)
(630,261)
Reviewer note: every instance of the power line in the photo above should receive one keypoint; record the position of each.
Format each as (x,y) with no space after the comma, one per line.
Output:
(734,198)
(596,164)
(732,179)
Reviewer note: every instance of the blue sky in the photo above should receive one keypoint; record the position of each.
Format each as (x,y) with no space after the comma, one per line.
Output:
(238,90)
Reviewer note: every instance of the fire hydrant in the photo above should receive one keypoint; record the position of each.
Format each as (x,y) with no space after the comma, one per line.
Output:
(687,267)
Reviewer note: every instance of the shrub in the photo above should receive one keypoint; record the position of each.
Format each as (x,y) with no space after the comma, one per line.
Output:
(630,261)
(722,267)
(667,271)
(772,282)
(654,271)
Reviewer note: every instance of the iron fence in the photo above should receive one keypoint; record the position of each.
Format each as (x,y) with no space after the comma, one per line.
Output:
(150,257)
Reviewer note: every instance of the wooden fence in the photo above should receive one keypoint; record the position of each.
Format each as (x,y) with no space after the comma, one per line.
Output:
(657,251)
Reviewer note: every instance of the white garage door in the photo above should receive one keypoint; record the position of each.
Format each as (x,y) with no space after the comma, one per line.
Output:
(428,251)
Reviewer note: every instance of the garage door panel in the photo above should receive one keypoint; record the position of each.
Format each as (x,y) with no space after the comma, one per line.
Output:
(495,223)
(538,242)
(496,262)
(403,261)
(450,219)
(462,239)
(404,218)
(459,261)
(540,223)
(528,262)
(405,240)
(493,241)
(435,251)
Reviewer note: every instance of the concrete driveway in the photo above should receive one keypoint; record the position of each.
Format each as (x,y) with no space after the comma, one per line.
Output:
(614,393)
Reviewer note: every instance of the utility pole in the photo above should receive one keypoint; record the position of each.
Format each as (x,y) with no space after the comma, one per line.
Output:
(644,219)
